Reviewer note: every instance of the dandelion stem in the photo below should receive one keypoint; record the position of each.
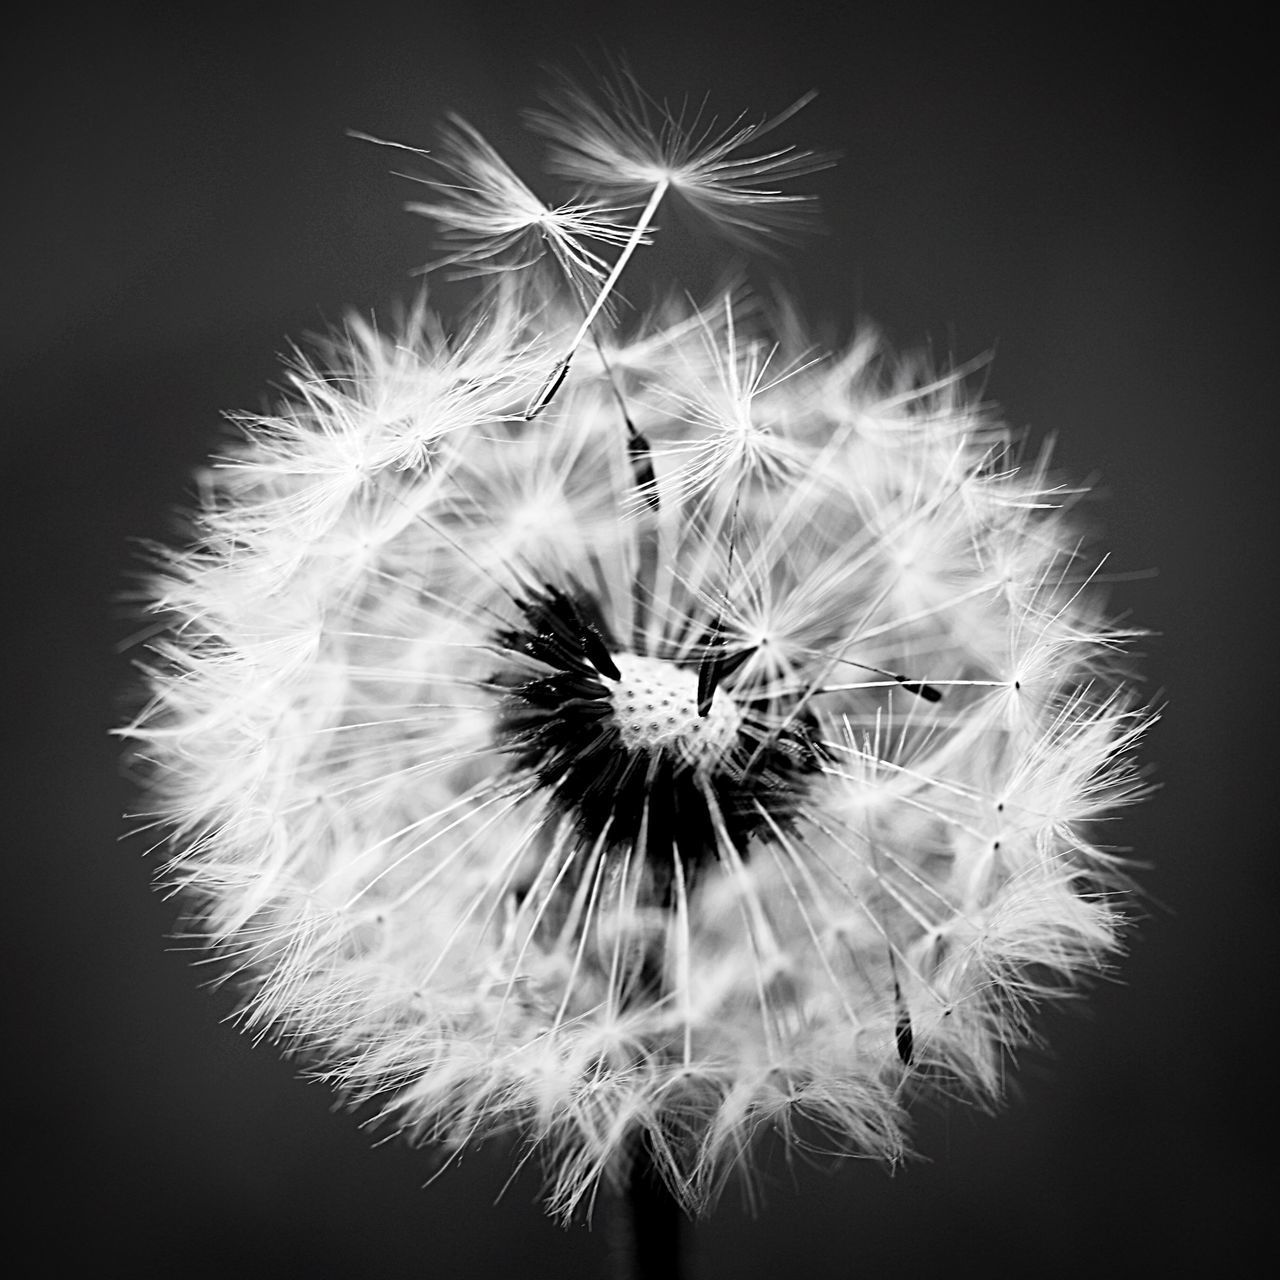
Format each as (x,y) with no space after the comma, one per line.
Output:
(647,1222)
(546,392)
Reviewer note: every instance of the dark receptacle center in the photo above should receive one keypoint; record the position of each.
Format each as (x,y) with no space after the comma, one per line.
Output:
(634,750)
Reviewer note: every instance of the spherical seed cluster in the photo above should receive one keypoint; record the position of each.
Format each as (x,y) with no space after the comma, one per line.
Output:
(670,734)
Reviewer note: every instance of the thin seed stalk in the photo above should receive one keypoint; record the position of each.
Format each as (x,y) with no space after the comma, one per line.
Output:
(552,383)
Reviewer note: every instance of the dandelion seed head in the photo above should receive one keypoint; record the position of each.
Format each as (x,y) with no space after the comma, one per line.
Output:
(719,746)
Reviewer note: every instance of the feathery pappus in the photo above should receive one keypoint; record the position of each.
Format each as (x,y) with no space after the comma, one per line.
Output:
(595,728)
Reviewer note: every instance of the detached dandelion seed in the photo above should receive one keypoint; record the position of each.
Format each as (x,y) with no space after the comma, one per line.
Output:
(629,144)
(718,751)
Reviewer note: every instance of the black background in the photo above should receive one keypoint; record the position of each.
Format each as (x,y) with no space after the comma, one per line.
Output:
(1090,200)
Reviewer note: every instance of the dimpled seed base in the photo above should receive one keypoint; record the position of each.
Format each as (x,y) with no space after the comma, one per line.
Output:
(655,706)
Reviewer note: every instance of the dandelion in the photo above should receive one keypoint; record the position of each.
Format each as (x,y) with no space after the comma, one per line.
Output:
(721,750)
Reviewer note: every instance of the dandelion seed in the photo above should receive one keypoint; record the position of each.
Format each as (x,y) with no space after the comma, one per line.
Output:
(628,144)
(493,222)
(721,750)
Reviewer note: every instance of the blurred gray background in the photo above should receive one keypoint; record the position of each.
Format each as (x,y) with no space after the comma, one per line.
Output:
(1087,199)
